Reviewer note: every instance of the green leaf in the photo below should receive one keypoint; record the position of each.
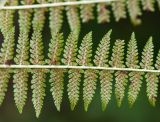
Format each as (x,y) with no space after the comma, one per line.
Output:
(85,51)
(134,11)
(135,78)
(57,86)
(119,10)
(103,13)
(148,5)
(102,52)
(87,12)
(73,18)
(120,76)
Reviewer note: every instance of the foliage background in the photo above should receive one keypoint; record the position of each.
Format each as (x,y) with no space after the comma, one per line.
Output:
(141,111)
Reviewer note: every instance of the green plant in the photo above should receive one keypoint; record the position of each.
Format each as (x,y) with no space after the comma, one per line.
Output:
(82,59)
(78,62)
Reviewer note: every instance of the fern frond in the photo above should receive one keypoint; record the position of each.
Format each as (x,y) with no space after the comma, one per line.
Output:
(117,54)
(120,76)
(157,65)
(20,88)
(135,78)
(152,87)
(56,75)
(102,52)
(70,50)
(106,78)
(121,82)
(103,13)
(148,5)
(56,81)
(73,18)
(151,78)
(147,55)
(134,11)
(56,19)
(55,49)
(101,59)
(38,77)
(36,48)
(90,76)
(73,86)
(21,76)
(132,53)
(89,87)
(7,49)
(118,9)
(4,79)
(37,57)
(87,12)
(85,51)
(38,89)
(6,17)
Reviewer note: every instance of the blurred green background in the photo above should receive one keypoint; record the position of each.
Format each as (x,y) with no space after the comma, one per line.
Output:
(141,111)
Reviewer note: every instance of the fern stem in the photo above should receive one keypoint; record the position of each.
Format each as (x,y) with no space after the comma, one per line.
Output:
(47,5)
(75,67)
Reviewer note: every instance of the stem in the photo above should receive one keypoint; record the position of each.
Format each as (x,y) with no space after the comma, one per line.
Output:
(47,5)
(75,67)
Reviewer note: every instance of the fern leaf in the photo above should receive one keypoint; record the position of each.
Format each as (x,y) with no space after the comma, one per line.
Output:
(56,19)
(103,13)
(7,49)
(85,51)
(89,87)
(132,53)
(84,59)
(37,57)
(55,49)
(147,55)
(21,76)
(134,11)
(38,89)
(38,77)
(6,18)
(135,78)
(152,87)
(117,54)
(73,87)
(70,50)
(101,59)
(4,78)
(118,8)
(106,87)
(102,53)
(87,12)
(151,78)
(73,18)
(20,88)
(57,86)
(120,76)
(56,75)
(157,65)
(148,5)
